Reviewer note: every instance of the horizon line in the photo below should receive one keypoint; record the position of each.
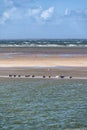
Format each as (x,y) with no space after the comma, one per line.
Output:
(43,39)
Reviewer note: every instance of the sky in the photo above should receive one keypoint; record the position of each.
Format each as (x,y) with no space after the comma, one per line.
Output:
(21,19)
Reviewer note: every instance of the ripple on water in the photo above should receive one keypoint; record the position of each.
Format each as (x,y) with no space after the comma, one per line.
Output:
(43,104)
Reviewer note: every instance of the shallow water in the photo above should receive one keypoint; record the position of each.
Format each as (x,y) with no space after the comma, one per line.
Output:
(31,104)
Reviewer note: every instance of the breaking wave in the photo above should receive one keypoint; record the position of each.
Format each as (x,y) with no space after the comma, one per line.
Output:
(44,43)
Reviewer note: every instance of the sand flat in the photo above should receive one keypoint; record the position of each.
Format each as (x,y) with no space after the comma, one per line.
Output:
(47,61)
(39,61)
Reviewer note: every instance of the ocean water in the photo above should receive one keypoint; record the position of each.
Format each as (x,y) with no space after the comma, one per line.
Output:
(33,104)
(44,43)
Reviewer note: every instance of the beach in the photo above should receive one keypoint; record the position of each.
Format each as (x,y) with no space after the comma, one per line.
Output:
(43,61)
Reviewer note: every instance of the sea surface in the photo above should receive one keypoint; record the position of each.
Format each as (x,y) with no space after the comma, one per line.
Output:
(43,104)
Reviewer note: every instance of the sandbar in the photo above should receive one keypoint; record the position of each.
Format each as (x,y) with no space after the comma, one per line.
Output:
(47,61)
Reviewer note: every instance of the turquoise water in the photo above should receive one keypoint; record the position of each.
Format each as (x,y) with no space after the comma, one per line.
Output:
(31,104)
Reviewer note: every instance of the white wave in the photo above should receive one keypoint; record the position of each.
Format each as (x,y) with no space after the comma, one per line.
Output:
(71,45)
(41,45)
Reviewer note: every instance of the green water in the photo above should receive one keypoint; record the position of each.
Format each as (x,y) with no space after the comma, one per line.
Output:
(31,104)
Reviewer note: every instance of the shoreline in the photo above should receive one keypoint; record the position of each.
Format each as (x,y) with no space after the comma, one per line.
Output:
(48,72)
(41,77)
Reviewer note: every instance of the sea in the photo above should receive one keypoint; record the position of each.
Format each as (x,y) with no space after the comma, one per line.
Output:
(44,43)
(32,104)
(43,104)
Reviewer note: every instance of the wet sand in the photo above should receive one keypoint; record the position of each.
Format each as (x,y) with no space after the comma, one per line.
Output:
(48,71)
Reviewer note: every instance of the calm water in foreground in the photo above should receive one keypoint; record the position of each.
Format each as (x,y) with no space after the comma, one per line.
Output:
(31,104)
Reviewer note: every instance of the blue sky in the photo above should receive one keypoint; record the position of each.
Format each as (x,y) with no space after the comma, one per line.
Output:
(43,19)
